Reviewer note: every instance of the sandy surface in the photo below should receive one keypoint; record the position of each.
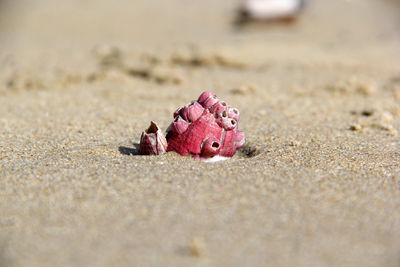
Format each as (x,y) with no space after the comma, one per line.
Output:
(317,185)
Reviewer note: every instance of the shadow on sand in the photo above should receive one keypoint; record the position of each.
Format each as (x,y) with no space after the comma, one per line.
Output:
(129,150)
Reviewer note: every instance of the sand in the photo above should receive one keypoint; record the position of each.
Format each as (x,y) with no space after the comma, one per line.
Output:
(318,183)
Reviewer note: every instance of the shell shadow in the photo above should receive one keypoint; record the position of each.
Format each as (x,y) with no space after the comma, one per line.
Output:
(249,150)
(129,150)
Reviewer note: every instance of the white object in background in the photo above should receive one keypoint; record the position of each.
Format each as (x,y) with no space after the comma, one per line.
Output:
(271,9)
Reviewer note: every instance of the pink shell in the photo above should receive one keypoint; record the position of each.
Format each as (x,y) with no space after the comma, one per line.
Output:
(203,129)
(213,132)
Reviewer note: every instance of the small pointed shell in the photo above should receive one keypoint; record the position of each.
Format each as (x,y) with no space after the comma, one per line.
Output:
(152,141)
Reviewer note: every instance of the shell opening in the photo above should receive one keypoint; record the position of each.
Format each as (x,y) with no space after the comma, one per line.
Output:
(153,128)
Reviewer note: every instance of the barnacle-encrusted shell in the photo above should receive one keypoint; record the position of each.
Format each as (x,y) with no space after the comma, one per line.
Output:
(205,128)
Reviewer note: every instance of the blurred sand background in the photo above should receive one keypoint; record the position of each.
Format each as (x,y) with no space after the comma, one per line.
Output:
(317,185)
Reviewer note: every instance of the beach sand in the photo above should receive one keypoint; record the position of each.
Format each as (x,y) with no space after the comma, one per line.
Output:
(318,183)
